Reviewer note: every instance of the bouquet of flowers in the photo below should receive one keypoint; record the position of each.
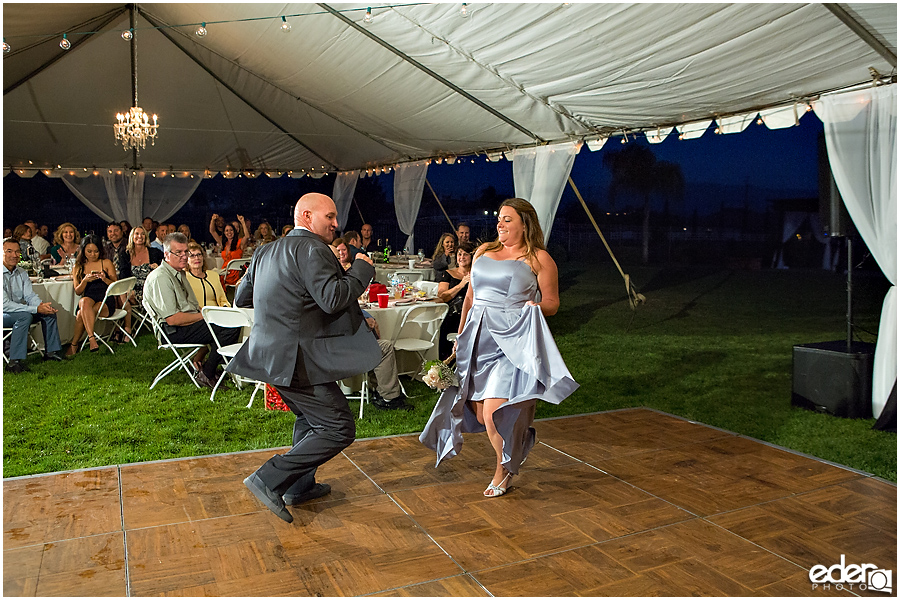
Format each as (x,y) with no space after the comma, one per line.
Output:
(438,375)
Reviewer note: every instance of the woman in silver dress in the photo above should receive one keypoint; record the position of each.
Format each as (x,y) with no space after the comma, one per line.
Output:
(506,356)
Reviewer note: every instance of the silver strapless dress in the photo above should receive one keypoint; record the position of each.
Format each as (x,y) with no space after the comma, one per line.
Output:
(505,350)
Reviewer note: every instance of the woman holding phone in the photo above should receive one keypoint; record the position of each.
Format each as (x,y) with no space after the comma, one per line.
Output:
(91,276)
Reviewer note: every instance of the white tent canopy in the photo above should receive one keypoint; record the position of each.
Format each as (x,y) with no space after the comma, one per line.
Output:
(419,81)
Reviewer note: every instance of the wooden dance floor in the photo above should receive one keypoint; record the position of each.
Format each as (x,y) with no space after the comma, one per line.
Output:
(624,503)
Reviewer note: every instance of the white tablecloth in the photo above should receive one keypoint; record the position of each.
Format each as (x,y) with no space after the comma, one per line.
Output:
(61,295)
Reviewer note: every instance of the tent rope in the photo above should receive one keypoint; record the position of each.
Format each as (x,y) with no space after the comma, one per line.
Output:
(634,297)
(438,200)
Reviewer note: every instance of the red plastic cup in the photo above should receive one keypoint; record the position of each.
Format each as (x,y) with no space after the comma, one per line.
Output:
(383,300)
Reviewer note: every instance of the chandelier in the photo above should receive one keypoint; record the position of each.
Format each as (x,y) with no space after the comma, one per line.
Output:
(133,128)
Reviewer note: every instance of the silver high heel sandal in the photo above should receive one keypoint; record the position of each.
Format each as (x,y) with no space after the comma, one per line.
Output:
(495,491)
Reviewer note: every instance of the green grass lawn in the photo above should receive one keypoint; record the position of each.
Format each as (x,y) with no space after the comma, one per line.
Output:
(709,345)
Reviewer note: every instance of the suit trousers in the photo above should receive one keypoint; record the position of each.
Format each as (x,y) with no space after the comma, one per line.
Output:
(387,382)
(323,428)
(20,321)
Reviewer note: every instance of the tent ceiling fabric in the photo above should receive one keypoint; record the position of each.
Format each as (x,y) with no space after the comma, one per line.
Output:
(326,96)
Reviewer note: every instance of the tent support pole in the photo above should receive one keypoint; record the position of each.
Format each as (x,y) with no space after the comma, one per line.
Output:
(438,200)
(847,19)
(634,298)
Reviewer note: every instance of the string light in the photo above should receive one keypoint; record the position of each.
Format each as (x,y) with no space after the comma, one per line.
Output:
(6,47)
(759,121)
(201,31)
(285,26)
(464,10)
(65,44)
(369,17)
(128,34)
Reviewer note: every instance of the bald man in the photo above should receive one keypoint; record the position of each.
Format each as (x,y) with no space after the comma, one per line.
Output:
(308,332)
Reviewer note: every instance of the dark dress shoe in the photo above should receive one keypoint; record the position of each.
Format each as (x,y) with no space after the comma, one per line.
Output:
(270,499)
(17,366)
(205,381)
(316,491)
(398,403)
(54,356)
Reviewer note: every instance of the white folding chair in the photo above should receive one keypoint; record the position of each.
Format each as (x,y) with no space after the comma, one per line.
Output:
(139,315)
(411,276)
(236,264)
(183,352)
(116,288)
(225,316)
(419,330)
(356,388)
(33,346)
(429,287)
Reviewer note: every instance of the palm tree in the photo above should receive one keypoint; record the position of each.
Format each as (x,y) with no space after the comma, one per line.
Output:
(636,170)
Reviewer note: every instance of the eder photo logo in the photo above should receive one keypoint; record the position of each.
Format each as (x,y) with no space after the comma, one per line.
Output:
(851,577)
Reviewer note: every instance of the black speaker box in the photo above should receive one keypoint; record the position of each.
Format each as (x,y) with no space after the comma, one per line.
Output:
(830,378)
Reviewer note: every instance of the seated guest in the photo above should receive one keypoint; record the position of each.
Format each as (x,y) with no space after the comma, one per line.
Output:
(40,244)
(92,274)
(21,306)
(126,229)
(207,290)
(115,246)
(387,394)
(452,290)
(169,295)
(186,232)
(161,232)
(367,242)
(462,233)
(22,234)
(354,243)
(286,229)
(143,259)
(444,255)
(264,234)
(66,240)
(343,253)
(232,247)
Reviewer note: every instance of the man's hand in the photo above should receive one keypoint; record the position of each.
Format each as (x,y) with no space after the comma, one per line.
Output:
(373,325)
(363,256)
(45,308)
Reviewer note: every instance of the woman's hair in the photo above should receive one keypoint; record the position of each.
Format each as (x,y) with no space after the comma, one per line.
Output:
(467,247)
(130,245)
(534,236)
(226,244)
(286,229)
(259,235)
(80,259)
(57,235)
(238,229)
(186,226)
(439,249)
(194,247)
(20,230)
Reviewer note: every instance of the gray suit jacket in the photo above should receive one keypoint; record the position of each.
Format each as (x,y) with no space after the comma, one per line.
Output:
(306,317)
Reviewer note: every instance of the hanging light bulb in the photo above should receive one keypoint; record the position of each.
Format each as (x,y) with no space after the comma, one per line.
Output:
(201,31)
(464,10)
(369,17)
(759,121)
(6,47)
(128,34)
(285,26)
(64,43)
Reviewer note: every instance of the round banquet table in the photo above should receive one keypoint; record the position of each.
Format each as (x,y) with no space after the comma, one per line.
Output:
(61,295)
(383,272)
(389,319)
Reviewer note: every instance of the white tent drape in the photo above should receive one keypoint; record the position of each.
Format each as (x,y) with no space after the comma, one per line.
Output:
(792,222)
(540,175)
(115,197)
(409,182)
(344,188)
(861,138)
